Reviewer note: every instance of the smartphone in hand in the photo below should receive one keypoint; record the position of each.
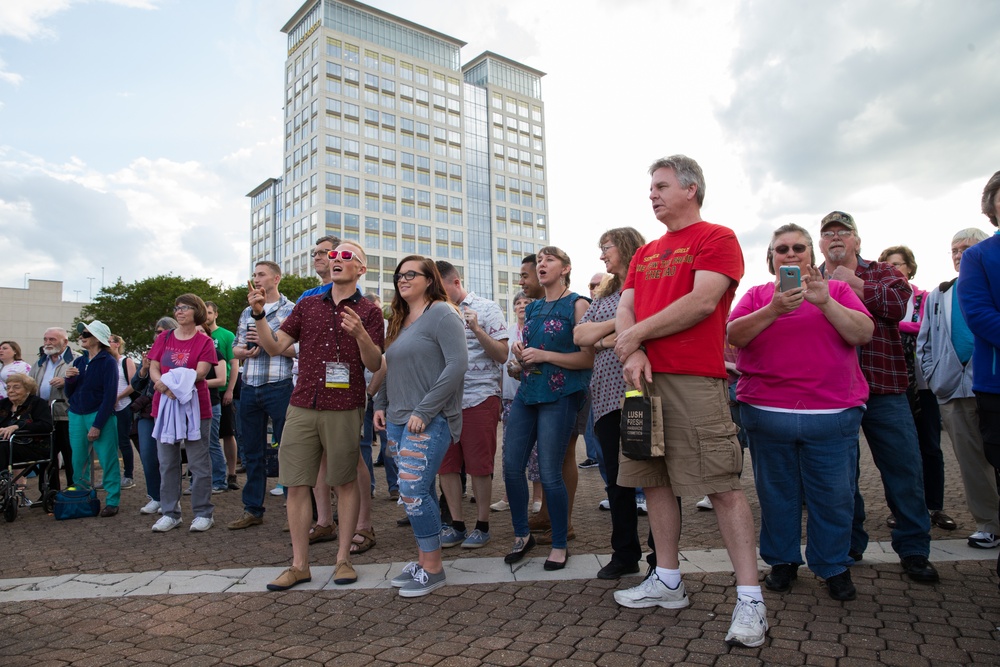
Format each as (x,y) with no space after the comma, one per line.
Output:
(789,277)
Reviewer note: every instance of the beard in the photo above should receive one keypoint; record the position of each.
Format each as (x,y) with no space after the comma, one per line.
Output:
(51,350)
(836,255)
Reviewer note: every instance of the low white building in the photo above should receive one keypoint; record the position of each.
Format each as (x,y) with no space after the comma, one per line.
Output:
(25,314)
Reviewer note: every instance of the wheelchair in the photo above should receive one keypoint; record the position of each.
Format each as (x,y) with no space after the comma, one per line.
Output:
(10,495)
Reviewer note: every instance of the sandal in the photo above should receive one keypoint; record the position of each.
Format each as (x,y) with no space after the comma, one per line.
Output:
(320,533)
(366,543)
(942,520)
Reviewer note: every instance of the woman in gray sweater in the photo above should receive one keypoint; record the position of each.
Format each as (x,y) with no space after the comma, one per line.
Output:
(420,406)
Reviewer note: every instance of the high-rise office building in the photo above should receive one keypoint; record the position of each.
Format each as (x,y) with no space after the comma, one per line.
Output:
(389,141)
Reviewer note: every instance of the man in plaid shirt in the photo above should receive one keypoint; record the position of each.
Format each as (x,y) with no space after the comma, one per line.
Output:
(887,424)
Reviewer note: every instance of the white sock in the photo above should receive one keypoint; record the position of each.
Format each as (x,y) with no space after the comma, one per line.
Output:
(749,593)
(672,578)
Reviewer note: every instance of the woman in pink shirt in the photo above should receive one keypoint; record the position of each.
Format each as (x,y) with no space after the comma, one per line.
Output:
(802,395)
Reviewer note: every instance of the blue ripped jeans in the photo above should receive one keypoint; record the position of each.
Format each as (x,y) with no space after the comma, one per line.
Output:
(418,457)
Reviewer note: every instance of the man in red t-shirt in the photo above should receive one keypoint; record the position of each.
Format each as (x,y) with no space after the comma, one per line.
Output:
(671,328)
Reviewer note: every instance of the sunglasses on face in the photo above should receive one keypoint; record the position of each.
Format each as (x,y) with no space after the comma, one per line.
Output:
(345,255)
(783,249)
(408,276)
(86,334)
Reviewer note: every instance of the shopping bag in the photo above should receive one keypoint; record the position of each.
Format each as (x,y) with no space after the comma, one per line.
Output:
(76,503)
(642,425)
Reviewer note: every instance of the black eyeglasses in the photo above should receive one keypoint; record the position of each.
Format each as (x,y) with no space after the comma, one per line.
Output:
(408,276)
(783,249)
(345,255)
(86,334)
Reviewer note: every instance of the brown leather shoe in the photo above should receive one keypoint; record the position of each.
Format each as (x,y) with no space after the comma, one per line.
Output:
(109,510)
(288,578)
(344,573)
(538,524)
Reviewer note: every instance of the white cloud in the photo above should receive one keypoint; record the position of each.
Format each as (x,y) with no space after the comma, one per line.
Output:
(25,19)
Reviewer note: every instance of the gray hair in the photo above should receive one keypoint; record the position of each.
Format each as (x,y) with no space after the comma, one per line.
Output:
(166,323)
(973,233)
(687,170)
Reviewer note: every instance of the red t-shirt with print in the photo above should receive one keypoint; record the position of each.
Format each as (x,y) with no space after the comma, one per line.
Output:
(662,272)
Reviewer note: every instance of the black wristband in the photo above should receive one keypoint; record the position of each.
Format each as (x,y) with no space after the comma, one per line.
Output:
(258,317)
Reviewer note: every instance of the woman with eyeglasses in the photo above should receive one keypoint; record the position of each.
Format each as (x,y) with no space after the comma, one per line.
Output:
(554,379)
(92,389)
(178,365)
(142,409)
(607,389)
(420,406)
(802,395)
(923,404)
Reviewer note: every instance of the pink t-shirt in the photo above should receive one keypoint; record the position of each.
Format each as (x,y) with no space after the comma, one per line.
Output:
(174,353)
(800,362)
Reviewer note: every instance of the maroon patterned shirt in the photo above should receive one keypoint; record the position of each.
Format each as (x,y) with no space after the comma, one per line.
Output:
(315,324)
(886,295)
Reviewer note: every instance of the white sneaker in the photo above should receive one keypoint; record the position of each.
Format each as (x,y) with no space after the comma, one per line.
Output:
(500,506)
(604,505)
(640,506)
(652,592)
(704,504)
(277,491)
(201,524)
(152,507)
(166,523)
(983,540)
(749,624)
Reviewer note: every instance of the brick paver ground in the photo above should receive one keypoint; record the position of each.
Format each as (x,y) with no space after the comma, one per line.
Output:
(893,622)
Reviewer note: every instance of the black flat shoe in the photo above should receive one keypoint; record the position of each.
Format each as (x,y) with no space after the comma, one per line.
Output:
(840,587)
(943,521)
(551,565)
(405,521)
(616,570)
(517,554)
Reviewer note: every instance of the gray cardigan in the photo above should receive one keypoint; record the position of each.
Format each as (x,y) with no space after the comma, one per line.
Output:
(425,370)
(946,376)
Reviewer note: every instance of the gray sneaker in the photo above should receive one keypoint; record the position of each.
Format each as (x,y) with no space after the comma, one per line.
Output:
(128,483)
(404,577)
(652,592)
(451,537)
(476,539)
(423,583)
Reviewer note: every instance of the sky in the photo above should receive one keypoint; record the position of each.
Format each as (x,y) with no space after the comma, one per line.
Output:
(131,130)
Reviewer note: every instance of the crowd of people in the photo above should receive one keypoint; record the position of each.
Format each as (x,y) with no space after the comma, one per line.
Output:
(835,345)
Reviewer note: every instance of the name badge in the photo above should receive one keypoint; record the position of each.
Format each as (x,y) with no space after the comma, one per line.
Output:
(338,375)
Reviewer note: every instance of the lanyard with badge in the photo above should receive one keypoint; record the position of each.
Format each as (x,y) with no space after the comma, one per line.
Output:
(338,374)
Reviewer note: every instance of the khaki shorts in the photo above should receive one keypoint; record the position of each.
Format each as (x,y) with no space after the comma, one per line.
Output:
(308,435)
(702,452)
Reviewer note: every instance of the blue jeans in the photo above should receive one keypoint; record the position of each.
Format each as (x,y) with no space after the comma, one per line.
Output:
(892,439)
(419,458)
(811,455)
(550,424)
(150,458)
(367,429)
(215,450)
(256,405)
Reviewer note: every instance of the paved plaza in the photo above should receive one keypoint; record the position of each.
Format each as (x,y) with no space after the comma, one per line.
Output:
(109,591)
